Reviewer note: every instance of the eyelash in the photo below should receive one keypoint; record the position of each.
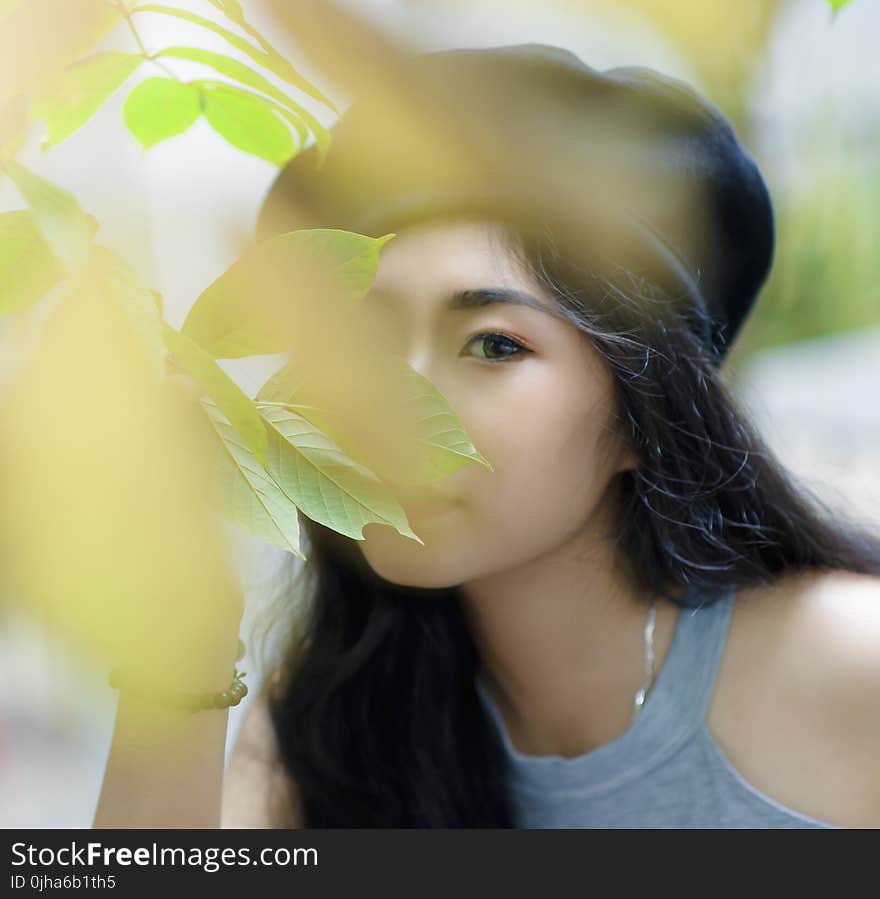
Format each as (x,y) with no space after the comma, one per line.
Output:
(520,350)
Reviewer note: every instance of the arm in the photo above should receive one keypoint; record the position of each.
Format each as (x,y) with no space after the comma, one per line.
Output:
(165,767)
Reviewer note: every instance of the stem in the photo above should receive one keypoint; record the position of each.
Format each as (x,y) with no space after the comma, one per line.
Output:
(278,58)
(268,49)
(163,67)
(123,10)
(126,14)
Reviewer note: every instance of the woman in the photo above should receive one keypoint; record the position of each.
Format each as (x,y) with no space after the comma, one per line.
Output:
(638,618)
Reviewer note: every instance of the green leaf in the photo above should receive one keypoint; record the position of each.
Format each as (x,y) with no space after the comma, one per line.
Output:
(159,108)
(231,68)
(241,73)
(138,303)
(234,40)
(71,98)
(249,496)
(297,292)
(324,483)
(253,307)
(410,434)
(270,60)
(248,125)
(441,443)
(232,401)
(231,9)
(28,270)
(294,120)
(58,215)
(275,61)
(291,118)
(837,4)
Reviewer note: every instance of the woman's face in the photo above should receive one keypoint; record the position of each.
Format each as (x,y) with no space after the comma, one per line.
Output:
(529,390)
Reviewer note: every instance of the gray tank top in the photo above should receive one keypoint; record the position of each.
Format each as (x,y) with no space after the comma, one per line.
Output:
(666,770)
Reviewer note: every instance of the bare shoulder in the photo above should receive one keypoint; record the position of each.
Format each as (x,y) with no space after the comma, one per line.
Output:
(796,701)
(257,792)
(818,633)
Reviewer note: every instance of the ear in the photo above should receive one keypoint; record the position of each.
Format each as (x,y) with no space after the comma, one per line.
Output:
(628,462)
(625,458)
(618,444)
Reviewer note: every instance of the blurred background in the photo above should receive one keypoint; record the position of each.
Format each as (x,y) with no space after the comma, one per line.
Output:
(803,89)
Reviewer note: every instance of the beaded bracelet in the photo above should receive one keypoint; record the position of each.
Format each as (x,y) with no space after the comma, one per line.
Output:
(193,702)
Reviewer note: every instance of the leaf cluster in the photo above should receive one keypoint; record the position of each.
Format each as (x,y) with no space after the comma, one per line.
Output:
(343,418)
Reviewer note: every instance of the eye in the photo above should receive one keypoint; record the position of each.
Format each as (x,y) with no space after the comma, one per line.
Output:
(507,346)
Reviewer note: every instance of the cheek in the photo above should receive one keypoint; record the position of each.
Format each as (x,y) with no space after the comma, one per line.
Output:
(541,433)
(548,466)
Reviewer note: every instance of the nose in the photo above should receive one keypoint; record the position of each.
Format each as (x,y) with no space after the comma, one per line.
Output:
(419,359)
(412,340)
(413,348)
(388,333)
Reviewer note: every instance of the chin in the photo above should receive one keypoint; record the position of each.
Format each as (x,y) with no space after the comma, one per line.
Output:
(403,562)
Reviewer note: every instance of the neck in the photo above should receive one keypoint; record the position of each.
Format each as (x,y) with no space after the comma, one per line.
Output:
(561,644)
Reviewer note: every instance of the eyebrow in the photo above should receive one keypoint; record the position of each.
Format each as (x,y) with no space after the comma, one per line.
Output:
(480,298)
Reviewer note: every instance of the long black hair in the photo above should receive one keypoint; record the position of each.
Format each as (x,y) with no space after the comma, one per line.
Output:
(375,709)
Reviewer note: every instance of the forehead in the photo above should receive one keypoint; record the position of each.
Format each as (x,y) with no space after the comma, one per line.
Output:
(453,262)
(475,237)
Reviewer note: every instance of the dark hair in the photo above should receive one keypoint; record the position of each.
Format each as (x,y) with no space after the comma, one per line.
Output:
(375,710)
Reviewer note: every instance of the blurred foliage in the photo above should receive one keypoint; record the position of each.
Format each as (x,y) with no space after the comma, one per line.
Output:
(826,275)
(112,475)
(721,40)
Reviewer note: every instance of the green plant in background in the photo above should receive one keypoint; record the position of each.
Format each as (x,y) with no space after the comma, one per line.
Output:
(826,273)
(288,451)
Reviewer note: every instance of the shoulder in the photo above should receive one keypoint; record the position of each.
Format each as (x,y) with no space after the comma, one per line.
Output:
(798,693)
(818,634)
(257,792)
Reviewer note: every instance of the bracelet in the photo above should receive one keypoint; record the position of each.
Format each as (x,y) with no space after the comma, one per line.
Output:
(192,702)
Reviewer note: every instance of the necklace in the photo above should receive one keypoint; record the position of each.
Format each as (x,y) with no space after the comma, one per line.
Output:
(642,693)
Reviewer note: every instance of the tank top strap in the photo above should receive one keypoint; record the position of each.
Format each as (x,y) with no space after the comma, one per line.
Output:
(685,686)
